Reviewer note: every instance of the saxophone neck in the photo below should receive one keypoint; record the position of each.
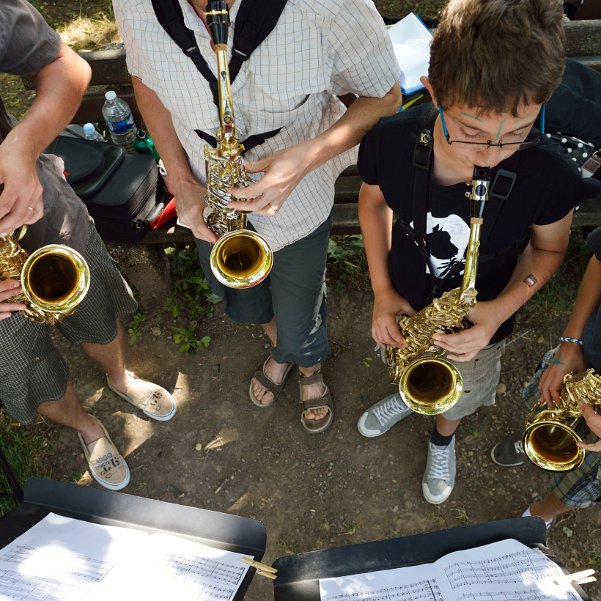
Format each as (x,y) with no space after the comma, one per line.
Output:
(218,22)
(478,198)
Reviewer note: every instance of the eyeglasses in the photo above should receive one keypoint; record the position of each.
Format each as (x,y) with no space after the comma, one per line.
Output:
(532,140)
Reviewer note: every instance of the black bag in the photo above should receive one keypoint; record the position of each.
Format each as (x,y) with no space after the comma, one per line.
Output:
(122,191)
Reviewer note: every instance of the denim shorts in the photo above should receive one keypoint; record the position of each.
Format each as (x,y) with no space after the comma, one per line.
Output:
(480,378)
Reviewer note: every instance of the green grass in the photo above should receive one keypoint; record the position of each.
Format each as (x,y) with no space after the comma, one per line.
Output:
(27,450)
(556,298)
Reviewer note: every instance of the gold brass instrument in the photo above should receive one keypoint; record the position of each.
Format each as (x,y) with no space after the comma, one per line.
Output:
(240,258)
(54,278)
(550,435)
(428,383)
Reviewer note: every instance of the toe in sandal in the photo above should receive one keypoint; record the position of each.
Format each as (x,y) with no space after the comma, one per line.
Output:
(268,384)
(315,426)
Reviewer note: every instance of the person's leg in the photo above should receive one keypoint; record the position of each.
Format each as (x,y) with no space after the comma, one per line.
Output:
(300,308)
(549,508)
(576,489)
(69,412)
(95,326)
(480,378)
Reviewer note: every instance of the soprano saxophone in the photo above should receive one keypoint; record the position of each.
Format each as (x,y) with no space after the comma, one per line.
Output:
(428,383)
(240,258)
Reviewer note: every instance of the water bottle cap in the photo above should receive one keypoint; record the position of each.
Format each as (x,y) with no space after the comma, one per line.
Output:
(110,95)
(88,129)
(141,134)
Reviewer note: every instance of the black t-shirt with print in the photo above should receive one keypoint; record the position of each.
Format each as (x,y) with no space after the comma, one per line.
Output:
(546,188)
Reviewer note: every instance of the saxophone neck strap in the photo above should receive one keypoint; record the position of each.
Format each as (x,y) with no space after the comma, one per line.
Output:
(248,144)
(500,189)
(253,24)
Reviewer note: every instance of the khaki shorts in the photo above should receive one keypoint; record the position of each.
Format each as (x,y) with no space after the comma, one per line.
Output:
(480,378)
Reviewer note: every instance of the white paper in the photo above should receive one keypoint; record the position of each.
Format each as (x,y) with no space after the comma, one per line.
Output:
(411,41)
(503,571)
(72,560)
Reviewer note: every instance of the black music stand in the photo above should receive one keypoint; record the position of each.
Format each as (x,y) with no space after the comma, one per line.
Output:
(15,492)
(298,575)
(100,506)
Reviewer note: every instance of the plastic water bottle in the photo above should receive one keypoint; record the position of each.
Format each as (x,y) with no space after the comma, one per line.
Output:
(144,145)
(90,133)
(119,121)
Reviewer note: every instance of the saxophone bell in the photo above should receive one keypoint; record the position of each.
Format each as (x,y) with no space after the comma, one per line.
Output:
(551,433)
(54,279)
(430,385)
(240,258)
(550,443)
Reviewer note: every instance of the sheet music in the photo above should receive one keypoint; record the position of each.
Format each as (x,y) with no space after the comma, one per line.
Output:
(503,571)
(61,559)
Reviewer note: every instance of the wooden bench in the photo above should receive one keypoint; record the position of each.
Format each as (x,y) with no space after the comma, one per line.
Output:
(109,71)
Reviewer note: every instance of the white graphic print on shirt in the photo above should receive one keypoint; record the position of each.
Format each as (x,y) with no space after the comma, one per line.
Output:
(446,241)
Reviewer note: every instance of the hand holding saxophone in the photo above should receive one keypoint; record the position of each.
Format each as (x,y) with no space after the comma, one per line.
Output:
(388,305)
(593,421)
(465,345)
(282,170)
(8,289)
(20,189)
(189,195)
(568,358)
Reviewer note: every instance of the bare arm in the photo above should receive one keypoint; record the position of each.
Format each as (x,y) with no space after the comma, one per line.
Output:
(539,261)
(188,192)
(286,168)
(570,357)
(375,218)
(59,88)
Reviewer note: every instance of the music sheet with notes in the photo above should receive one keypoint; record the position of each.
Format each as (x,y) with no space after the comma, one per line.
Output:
(503,571)
(62,559)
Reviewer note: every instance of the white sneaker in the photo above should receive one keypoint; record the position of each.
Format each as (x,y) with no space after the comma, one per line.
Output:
(381,416)
(439,477)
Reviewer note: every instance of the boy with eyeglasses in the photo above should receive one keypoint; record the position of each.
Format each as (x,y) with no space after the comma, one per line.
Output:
(486,96)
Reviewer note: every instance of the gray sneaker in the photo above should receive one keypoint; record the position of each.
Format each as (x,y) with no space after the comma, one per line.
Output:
(381,416)
(439,477)
(509,452)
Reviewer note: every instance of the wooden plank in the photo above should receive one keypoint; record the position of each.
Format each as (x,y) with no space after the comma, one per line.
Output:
(583,38)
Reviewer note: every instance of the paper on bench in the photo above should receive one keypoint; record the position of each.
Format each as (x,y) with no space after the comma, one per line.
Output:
(411,41)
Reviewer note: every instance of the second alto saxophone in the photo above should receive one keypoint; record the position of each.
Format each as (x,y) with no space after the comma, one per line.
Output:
(428,383)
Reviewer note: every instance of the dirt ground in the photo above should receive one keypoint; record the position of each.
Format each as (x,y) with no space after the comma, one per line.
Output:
(220,452)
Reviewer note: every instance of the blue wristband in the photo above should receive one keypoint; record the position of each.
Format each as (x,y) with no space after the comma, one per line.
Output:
(574,340)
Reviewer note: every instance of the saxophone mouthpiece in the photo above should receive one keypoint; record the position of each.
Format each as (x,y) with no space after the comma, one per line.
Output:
(218,21)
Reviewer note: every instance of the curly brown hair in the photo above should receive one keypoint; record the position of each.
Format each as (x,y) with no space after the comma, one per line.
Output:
(495,55)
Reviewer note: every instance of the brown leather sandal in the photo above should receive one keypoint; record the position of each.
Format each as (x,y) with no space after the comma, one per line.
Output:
(315,426)
(268,384)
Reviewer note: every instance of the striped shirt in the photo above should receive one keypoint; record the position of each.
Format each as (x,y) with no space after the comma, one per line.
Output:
(319,49)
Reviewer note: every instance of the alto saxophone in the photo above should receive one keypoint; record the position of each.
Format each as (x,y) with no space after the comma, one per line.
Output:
(428,383)
(54,278)
(240,258)
(550,433)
